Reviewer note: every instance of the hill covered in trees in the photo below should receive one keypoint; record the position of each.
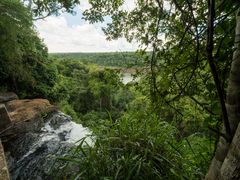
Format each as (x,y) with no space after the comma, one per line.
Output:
(115,59)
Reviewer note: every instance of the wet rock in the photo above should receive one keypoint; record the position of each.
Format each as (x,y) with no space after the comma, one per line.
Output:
(33,154)
(38,135)
(59,119)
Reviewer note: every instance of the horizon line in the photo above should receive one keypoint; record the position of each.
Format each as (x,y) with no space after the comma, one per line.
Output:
(90,52)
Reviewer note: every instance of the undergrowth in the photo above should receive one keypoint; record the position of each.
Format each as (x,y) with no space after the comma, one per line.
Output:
(137,148)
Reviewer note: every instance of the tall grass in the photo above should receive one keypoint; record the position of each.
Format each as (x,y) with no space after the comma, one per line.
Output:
(130,148)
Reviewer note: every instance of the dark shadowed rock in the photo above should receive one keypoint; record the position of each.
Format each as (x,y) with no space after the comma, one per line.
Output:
(5,120)
(7,96)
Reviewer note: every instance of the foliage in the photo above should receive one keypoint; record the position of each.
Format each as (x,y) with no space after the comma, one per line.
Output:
(15,24)
(141,148)
(116,59)
(68,109)
(178,63)
(92,92)
(130,150)
(42,9)
(24,64)
(196,150)
(135,144)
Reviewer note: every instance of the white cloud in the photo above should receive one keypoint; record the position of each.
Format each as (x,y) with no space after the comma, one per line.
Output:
(59,37)
(67,33)
(84,4)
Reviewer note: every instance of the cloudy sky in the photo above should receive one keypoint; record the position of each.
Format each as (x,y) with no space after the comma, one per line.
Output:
(68,33)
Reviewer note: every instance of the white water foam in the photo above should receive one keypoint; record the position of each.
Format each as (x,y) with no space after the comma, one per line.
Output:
(74,133)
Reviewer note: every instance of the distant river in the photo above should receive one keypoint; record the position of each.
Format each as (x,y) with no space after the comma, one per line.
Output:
(127,77)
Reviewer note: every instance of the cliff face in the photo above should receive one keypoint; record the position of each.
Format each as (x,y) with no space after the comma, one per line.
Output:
(22,116)
(36,135)
(4,174)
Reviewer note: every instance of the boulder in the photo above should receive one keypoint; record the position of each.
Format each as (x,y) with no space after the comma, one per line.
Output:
(7,96)
(23,116)
(5,120)
(25,110)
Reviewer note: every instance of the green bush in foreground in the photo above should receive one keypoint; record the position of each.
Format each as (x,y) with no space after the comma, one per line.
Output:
(133,149)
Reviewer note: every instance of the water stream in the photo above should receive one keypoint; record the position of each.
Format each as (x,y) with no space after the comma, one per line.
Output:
(32,155)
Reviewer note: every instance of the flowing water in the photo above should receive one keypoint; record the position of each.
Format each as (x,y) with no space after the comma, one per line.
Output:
(32,155)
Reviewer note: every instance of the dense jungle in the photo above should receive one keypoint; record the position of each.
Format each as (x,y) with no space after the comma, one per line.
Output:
(169,110)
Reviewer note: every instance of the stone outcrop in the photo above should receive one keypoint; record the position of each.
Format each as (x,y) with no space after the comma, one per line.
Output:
(26,116)
(38,133)
(7,96)
(19,117)
(4,175)
(5,120)
(24,110)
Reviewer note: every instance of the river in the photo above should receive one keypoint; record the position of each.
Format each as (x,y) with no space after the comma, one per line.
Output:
(127,78)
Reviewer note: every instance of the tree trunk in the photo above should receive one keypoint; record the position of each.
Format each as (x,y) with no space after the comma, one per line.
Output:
(231,166)
(226,162)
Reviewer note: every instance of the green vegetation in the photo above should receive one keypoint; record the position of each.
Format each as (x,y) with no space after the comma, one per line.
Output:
(138,146)
(131,140)
(88,93)
(166,125)
(114,59)
(24,64)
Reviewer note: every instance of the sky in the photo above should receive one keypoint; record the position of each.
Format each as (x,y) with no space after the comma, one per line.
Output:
(68,33)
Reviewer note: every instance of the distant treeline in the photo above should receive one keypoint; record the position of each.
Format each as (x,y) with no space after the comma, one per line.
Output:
(116,59)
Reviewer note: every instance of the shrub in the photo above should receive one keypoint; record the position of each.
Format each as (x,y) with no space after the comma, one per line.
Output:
(130,149)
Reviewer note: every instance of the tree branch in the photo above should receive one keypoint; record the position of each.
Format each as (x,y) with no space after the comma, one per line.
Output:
(211,16)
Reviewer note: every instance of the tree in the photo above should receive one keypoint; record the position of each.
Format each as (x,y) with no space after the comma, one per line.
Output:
(24,64)
(180,66)
(42,9)
(225,164)
(15,25)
